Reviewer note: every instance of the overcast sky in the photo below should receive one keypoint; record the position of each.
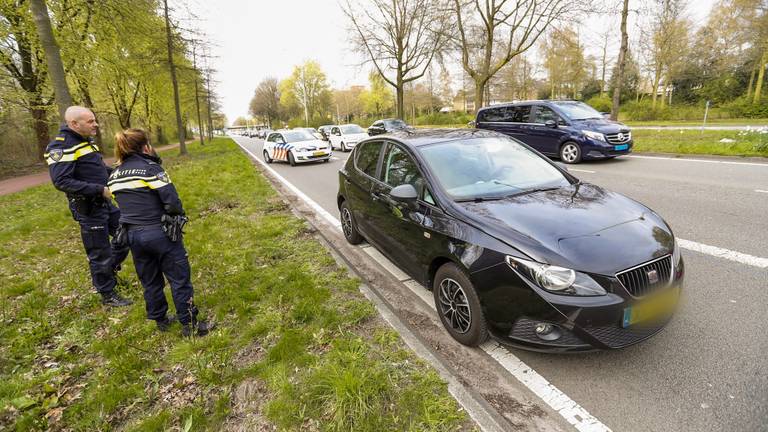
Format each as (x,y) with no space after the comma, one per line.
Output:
(255,39)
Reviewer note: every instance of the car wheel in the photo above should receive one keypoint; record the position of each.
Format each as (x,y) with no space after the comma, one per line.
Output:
(570,153)
(291,159)
(267,159)
(458,306)
(343,147)
(348,225)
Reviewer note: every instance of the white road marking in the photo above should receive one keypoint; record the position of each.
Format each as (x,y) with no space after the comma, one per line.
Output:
(761,191)
(572,412)
(723,253)
(699,160)
(581,170)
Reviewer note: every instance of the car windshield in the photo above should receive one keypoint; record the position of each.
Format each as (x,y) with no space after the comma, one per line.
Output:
(352,129)
(396,124)
(297,135)
(489,168)
(578,111)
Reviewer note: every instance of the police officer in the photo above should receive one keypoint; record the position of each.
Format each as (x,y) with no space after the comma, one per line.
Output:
(146,197)
(77,168)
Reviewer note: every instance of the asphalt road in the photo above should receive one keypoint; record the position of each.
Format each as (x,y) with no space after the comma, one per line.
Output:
(708,370)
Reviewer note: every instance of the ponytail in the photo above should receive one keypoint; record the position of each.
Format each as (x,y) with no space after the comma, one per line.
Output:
(128,142)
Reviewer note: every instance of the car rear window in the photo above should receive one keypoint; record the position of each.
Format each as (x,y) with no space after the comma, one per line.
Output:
(367,157)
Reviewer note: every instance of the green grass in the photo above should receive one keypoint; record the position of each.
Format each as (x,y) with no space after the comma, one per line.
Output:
(719,122)
(290,319)
(701,142)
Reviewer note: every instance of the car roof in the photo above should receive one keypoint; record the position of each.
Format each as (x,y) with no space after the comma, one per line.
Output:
(350,124)
(422,137)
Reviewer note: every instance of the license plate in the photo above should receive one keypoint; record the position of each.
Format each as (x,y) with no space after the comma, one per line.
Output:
(660,305)
(319,153)
(621,147)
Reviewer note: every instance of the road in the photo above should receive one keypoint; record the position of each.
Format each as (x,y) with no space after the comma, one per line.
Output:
(708,370)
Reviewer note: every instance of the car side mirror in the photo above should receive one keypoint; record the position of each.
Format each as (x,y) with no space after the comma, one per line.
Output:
(405,193)
(550,123)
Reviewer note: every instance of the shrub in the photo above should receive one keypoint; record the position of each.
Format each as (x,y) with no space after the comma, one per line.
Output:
(743,107)
(600,103)
(439,118)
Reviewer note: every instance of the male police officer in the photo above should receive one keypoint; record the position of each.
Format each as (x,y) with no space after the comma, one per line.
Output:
(77,168)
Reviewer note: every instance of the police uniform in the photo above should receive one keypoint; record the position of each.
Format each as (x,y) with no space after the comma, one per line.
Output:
(144,193)
(77,168)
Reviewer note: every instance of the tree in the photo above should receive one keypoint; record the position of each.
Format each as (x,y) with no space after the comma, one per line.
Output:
(308,89)
(400,38)
(265,102)
(668,40)
(621,64)
(377,99)
(52,55)
(177,105)
(565,63)
(493,32)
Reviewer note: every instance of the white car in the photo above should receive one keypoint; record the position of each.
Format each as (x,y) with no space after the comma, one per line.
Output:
(346,136)
(295,146)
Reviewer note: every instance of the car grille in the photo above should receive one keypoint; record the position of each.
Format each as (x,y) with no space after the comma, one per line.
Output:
(618,337)
(646,278)
(619,138)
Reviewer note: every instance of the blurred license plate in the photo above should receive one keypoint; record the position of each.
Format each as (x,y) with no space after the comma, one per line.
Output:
(319,153)
(621,147)
(660,305)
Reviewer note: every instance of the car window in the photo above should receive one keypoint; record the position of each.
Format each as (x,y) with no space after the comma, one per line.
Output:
(378,124)
(352,129)
(427,197)
(544,114)
(399,168)
(521,114)
(367,157)
(298,135)
(335,130)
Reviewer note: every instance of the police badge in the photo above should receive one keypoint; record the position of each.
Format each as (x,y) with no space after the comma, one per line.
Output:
(163,177)
(56,154)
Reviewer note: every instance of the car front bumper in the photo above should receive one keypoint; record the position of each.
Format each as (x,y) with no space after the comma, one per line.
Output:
(312,155)
(602,150)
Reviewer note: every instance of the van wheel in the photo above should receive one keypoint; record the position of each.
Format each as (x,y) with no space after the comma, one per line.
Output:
(570,153)
(458,306)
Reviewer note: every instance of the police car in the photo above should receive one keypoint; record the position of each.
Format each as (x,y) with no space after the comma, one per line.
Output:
(295,146)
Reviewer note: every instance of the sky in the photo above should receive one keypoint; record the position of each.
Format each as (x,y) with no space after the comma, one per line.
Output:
(256,39)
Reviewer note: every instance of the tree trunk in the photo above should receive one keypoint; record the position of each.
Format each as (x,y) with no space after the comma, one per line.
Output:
(197,98)
(751,82)
(208,95)
(760,76)
(177,104)
(400,95)
(655,88)
(52,55)
(622,63)
(479,93)
(40,125)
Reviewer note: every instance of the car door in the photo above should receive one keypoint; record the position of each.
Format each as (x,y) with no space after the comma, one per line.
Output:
(543,138)
(335,137)
(377,128)
(359,184)
(399,228)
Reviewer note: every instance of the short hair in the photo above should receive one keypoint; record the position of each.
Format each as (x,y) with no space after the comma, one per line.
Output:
(74,112)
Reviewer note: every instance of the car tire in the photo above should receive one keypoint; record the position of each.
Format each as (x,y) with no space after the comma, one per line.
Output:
(343,147)
(570,153)
(267,159)
(291,159)
(348,225)
(459,306)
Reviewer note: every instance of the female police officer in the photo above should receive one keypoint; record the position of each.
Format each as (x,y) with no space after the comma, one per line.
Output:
(145,194)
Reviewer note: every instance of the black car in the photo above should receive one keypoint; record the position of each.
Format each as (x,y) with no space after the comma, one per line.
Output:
(511,244)
(570,130)
(386,126)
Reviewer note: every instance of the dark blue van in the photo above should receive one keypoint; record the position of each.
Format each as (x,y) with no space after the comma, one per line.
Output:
(570,130)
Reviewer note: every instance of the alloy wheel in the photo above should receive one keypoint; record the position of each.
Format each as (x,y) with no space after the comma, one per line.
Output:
(454,305)
(569,153)
(346,222)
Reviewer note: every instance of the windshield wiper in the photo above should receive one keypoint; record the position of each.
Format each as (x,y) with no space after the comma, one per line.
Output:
(479,199)
(534,190)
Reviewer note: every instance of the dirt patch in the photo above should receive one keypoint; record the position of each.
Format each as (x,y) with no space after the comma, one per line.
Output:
(512,409)
(218,207)
(247,401)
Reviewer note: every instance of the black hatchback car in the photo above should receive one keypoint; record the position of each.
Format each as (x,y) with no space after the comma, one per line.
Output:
(386,126)
(570,130)
(511,244)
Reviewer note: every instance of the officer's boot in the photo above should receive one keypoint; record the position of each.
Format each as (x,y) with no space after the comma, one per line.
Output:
(200,328)
(165,323)
(113,299)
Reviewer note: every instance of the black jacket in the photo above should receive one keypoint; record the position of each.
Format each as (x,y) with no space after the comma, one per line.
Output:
(75,164)
(143,191)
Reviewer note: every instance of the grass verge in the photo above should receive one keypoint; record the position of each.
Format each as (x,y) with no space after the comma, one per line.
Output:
(709,142)
(298,346)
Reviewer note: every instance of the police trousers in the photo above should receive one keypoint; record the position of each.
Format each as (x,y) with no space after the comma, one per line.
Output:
(104,256)
(157,258)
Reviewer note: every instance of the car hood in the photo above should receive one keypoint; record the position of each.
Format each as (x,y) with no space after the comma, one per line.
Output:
(310,144)
(355,137)
(583,226)
(601,125)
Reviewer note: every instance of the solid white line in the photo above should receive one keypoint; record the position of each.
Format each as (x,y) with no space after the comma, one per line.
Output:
(761,191)
(723,253)
(699,160)
(581,170)
(572,412)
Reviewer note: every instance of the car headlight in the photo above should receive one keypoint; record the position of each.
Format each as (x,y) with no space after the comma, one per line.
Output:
(597,136)
(558,280)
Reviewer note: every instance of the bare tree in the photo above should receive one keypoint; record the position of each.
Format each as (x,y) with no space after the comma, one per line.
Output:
(52,54)
(400,37)
(622,62)
(493,32)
